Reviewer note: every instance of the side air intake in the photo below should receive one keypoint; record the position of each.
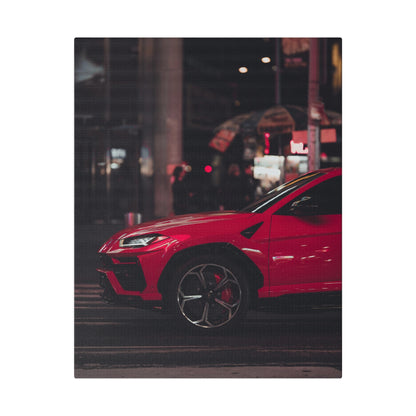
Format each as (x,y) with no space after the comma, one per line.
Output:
(249,232)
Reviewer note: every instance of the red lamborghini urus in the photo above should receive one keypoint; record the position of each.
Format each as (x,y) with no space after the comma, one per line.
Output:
(208,269)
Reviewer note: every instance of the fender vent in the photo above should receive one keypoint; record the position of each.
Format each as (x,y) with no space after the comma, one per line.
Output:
(249,232)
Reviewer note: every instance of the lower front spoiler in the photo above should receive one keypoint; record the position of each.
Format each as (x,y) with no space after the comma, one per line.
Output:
(110,296)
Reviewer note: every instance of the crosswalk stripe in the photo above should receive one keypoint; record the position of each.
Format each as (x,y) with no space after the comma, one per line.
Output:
(191,348)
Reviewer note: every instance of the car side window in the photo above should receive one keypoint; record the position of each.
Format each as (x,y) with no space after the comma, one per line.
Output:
(326,198)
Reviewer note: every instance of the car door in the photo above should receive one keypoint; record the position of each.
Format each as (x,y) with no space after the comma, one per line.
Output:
(305,241)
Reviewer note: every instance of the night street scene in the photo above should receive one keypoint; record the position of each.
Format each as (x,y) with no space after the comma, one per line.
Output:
(208,207)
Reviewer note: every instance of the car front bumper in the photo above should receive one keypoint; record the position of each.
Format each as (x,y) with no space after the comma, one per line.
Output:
(123,278)
(110,296)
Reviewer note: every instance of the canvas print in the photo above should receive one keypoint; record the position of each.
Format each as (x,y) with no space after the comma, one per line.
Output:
(208,207)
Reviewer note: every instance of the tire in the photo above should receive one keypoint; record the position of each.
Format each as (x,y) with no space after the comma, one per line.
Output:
(209,294)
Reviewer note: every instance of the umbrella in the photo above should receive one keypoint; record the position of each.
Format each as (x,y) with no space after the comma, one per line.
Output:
(275,120)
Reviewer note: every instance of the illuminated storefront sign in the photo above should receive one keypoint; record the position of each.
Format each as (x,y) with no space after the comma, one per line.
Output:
(298,148)
(268,170)
(222,140)
(298,144)
(328,136)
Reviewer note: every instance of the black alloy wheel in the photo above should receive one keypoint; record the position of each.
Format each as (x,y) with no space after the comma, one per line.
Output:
(209,293)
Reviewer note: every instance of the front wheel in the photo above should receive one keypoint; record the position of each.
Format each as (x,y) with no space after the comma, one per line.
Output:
(209,293)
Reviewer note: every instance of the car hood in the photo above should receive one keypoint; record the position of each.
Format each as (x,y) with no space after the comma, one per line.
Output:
(190,224)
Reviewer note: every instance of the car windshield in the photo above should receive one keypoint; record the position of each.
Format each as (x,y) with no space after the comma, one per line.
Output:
(280,192)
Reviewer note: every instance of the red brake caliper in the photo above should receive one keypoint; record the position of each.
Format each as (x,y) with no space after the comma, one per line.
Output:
(226,292)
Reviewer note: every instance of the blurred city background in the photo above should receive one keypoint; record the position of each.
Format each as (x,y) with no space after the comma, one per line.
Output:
(265,110)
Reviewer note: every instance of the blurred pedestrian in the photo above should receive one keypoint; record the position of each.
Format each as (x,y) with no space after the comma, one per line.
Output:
(251,183)
(180,191)
(234,193)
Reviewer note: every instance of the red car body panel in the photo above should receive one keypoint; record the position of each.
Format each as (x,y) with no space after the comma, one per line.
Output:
(304,250)
(294,254)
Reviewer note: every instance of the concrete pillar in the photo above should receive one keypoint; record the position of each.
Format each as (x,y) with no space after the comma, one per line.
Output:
(168,119)
(146,121)
(107,120)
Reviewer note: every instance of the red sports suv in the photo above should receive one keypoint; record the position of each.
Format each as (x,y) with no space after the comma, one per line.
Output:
(208,269)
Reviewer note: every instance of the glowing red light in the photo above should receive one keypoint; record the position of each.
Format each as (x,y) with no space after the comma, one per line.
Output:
(208,169)
(266,143)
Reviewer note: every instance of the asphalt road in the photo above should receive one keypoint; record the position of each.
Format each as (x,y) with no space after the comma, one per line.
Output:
(112,341)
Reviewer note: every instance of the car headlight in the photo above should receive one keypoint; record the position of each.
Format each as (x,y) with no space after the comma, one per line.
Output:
(141,240)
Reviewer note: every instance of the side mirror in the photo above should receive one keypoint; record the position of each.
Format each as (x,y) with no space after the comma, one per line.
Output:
(303,207)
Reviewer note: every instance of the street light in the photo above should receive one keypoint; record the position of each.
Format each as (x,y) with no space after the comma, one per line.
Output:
(242,70)
(266,60)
